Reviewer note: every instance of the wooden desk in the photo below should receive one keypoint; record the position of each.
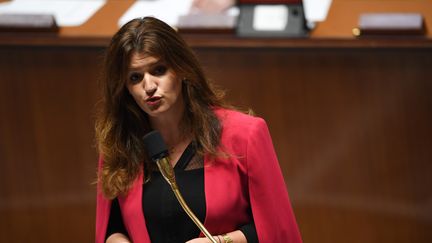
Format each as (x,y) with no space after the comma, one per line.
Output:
(350,120)
(343,15)
(335,32)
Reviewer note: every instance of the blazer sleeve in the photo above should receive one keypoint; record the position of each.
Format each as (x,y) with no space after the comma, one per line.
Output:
(270,204)
(103,206)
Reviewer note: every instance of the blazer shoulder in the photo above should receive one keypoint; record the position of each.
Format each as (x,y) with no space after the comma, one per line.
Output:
(236,123)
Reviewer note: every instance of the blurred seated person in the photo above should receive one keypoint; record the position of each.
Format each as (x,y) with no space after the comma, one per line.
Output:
(211,6)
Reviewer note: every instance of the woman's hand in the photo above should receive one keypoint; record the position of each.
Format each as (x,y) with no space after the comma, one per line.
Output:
(117,238)
(236,236)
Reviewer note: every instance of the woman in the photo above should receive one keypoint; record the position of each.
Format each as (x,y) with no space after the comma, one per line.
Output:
(224,160)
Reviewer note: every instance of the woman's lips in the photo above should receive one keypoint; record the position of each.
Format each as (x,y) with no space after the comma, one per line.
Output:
(153,101)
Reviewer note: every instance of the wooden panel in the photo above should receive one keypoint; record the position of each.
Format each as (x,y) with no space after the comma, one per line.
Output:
(351,128)
(352,131)
(47,153)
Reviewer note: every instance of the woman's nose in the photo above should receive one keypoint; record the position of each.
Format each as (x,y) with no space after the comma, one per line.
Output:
(149,85)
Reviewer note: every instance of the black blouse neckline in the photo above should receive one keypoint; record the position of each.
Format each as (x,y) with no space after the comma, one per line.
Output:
(185,158)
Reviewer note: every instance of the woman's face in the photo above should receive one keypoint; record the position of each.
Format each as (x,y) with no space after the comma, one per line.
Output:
(154,86)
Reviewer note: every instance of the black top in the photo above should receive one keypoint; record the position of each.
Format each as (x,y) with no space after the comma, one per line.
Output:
(163,212)
(165,219)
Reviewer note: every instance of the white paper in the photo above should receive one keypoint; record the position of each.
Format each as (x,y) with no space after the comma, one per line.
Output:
(165,10)
(316,10)
(66,12)
(270,17)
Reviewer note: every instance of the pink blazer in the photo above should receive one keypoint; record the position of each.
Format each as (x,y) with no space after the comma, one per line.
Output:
(246,185)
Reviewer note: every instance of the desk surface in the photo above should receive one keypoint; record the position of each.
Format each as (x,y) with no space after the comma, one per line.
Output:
(335,32)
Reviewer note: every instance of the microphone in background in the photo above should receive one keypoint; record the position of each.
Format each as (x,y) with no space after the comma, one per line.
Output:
(158,152)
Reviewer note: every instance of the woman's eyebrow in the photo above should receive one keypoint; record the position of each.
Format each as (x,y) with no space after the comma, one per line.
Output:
(147,65)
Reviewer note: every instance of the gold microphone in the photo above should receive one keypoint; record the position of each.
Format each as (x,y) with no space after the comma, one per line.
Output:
(158,152)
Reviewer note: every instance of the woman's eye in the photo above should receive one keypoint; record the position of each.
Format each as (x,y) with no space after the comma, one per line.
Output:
(159,70)
(135,77)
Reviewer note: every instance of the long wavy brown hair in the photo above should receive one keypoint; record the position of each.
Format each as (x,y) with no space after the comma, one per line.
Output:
(121,123)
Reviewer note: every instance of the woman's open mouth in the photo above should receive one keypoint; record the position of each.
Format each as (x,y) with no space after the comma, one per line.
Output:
(153,101)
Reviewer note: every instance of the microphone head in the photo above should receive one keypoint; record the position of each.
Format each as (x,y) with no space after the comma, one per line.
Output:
(155,145)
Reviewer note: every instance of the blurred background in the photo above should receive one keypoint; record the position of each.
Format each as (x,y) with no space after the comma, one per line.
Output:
(350,116)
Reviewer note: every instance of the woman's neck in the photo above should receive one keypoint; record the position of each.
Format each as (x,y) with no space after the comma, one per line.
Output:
(173,134)
(170,126)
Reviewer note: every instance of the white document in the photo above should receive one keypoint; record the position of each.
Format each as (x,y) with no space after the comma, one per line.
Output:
(316,10)
(166,10)
(270,17)
(66,12)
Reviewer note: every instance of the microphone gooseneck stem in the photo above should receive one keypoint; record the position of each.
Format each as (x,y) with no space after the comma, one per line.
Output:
(168,174)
